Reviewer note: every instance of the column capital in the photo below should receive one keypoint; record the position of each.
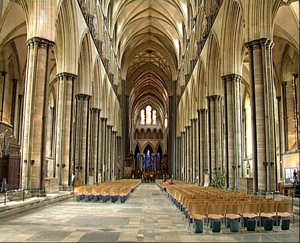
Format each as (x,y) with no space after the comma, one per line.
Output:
(283,83)
(187,127)
(66,76)
(258,43)
(114,132)
(232,77)
(14,80)
(41,42)
(83,96)
(109,126)
(193,120)
(104,119)
(202,111)
(278,98)
(214,97)
(295,75)
(3,73)
(95,110)
(182,133)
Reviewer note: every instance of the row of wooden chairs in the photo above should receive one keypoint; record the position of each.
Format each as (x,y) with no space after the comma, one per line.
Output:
(106,191)
(210,204)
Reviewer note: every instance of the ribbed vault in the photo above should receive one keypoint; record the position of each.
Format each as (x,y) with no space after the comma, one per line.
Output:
(149,35)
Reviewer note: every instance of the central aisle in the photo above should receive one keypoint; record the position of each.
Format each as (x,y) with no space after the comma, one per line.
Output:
(146,216)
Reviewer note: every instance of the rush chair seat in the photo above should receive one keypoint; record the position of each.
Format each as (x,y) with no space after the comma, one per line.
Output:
(250,213)
(198,213)
(284,211)
(233,215)
(78,191)
(96,192)
(215,213)
(114,194)
(267,212)
(105,194)
(87,193)
(124,193)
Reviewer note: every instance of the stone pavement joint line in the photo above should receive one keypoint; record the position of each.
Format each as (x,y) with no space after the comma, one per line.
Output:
(147,216)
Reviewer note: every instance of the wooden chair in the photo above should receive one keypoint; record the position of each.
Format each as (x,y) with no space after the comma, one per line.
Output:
(198,212)
(267,210)
(216,212)
(285,210)
(250,211)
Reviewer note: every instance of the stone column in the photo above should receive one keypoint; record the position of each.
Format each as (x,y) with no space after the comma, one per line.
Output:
(170,136)
(105,135)
(297,106)
(94,124)
(101,150)
(285,117)
(114,154)
(280,136)
(3,95)
(192,151)
(262,105)
(13,102)
(20,120)
(187,152)
(233,128)
(119,153)
(182,156)
(35,112)
(215,133)
(109,151)
(178,159)
(174,129)
(82,128)
(125,125)
(183,136)
(203,142)
(64,122)
(98,149)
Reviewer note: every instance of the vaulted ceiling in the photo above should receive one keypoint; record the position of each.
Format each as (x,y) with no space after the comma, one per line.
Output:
(149,35)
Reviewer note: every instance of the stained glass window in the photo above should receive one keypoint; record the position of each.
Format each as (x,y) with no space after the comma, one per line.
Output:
(148,115)
(138,161)
(154,117)
(158,161)
(142,117)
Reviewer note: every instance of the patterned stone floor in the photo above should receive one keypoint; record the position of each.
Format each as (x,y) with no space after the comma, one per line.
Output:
(147,216)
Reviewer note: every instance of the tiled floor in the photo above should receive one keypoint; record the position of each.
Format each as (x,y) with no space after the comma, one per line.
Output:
(147,216)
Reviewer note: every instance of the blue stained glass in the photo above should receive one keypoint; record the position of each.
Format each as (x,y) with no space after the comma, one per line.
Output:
(152,161)
(158,161)
(138,161)
(148,160)
(144,161)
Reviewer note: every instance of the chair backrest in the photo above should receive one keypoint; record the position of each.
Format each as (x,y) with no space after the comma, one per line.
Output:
(234,208)
(251,207)
(218,208)
(284,207)
(78,190)
(191,201)
(267,207)
(196,208)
